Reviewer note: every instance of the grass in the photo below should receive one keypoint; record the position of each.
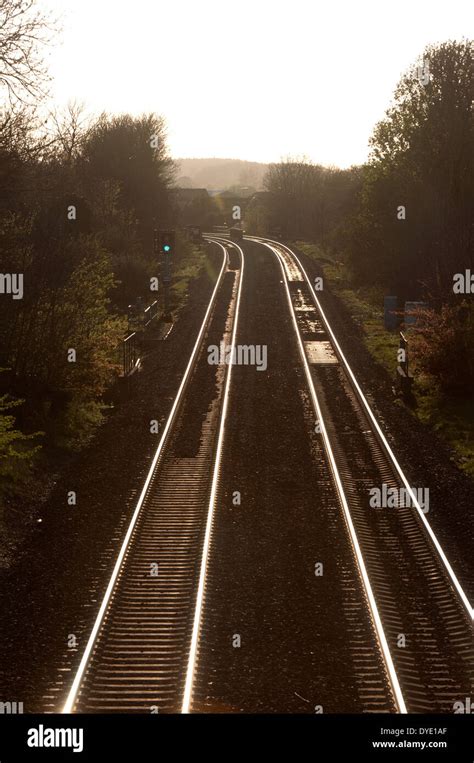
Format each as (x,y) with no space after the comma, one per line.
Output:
(451,417)
(185,270)
(193,261)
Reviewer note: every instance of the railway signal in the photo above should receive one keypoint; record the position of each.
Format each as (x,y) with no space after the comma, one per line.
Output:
(164,241)
(167,242)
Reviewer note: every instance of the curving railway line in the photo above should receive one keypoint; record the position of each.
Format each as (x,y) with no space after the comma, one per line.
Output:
(137,653)
(255,576)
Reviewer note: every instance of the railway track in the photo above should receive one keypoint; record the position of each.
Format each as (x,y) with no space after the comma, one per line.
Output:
(393,615)
(137,656)
(425,617)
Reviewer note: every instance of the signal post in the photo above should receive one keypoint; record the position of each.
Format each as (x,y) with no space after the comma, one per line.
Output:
(164,241)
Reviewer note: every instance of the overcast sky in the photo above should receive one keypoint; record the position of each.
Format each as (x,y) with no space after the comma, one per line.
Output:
(249,79)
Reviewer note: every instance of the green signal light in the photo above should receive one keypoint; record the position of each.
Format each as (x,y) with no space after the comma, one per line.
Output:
(166,248)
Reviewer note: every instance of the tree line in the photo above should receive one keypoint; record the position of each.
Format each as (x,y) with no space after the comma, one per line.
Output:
(403,221)
(79,201)
(77,214)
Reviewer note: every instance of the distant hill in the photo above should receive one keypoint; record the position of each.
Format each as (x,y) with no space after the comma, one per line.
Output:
(219,174)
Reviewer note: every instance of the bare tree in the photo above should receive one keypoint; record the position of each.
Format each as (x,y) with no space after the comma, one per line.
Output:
(71,128)
(23,33)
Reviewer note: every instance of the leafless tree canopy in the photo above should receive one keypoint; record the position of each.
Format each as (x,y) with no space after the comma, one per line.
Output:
(70,129)
(23,33)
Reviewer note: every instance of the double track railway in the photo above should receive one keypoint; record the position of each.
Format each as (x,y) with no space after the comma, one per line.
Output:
(393,613)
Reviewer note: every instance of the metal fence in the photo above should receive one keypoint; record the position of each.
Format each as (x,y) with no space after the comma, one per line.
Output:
(129,353)
(150,313)
(129,348)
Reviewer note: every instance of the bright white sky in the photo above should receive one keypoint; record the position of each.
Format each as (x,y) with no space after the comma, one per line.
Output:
(249,79)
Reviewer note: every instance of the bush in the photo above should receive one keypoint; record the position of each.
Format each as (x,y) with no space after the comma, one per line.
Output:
(443,346)
(16,450)
(75,428)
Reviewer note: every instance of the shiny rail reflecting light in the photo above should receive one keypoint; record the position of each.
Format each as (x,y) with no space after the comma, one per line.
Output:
(452,575)
(212,502)
(70,701)
(396,688)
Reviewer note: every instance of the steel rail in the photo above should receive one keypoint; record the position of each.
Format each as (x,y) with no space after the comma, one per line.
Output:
(187,697)
(72,695)
(391,456)
(373,608)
